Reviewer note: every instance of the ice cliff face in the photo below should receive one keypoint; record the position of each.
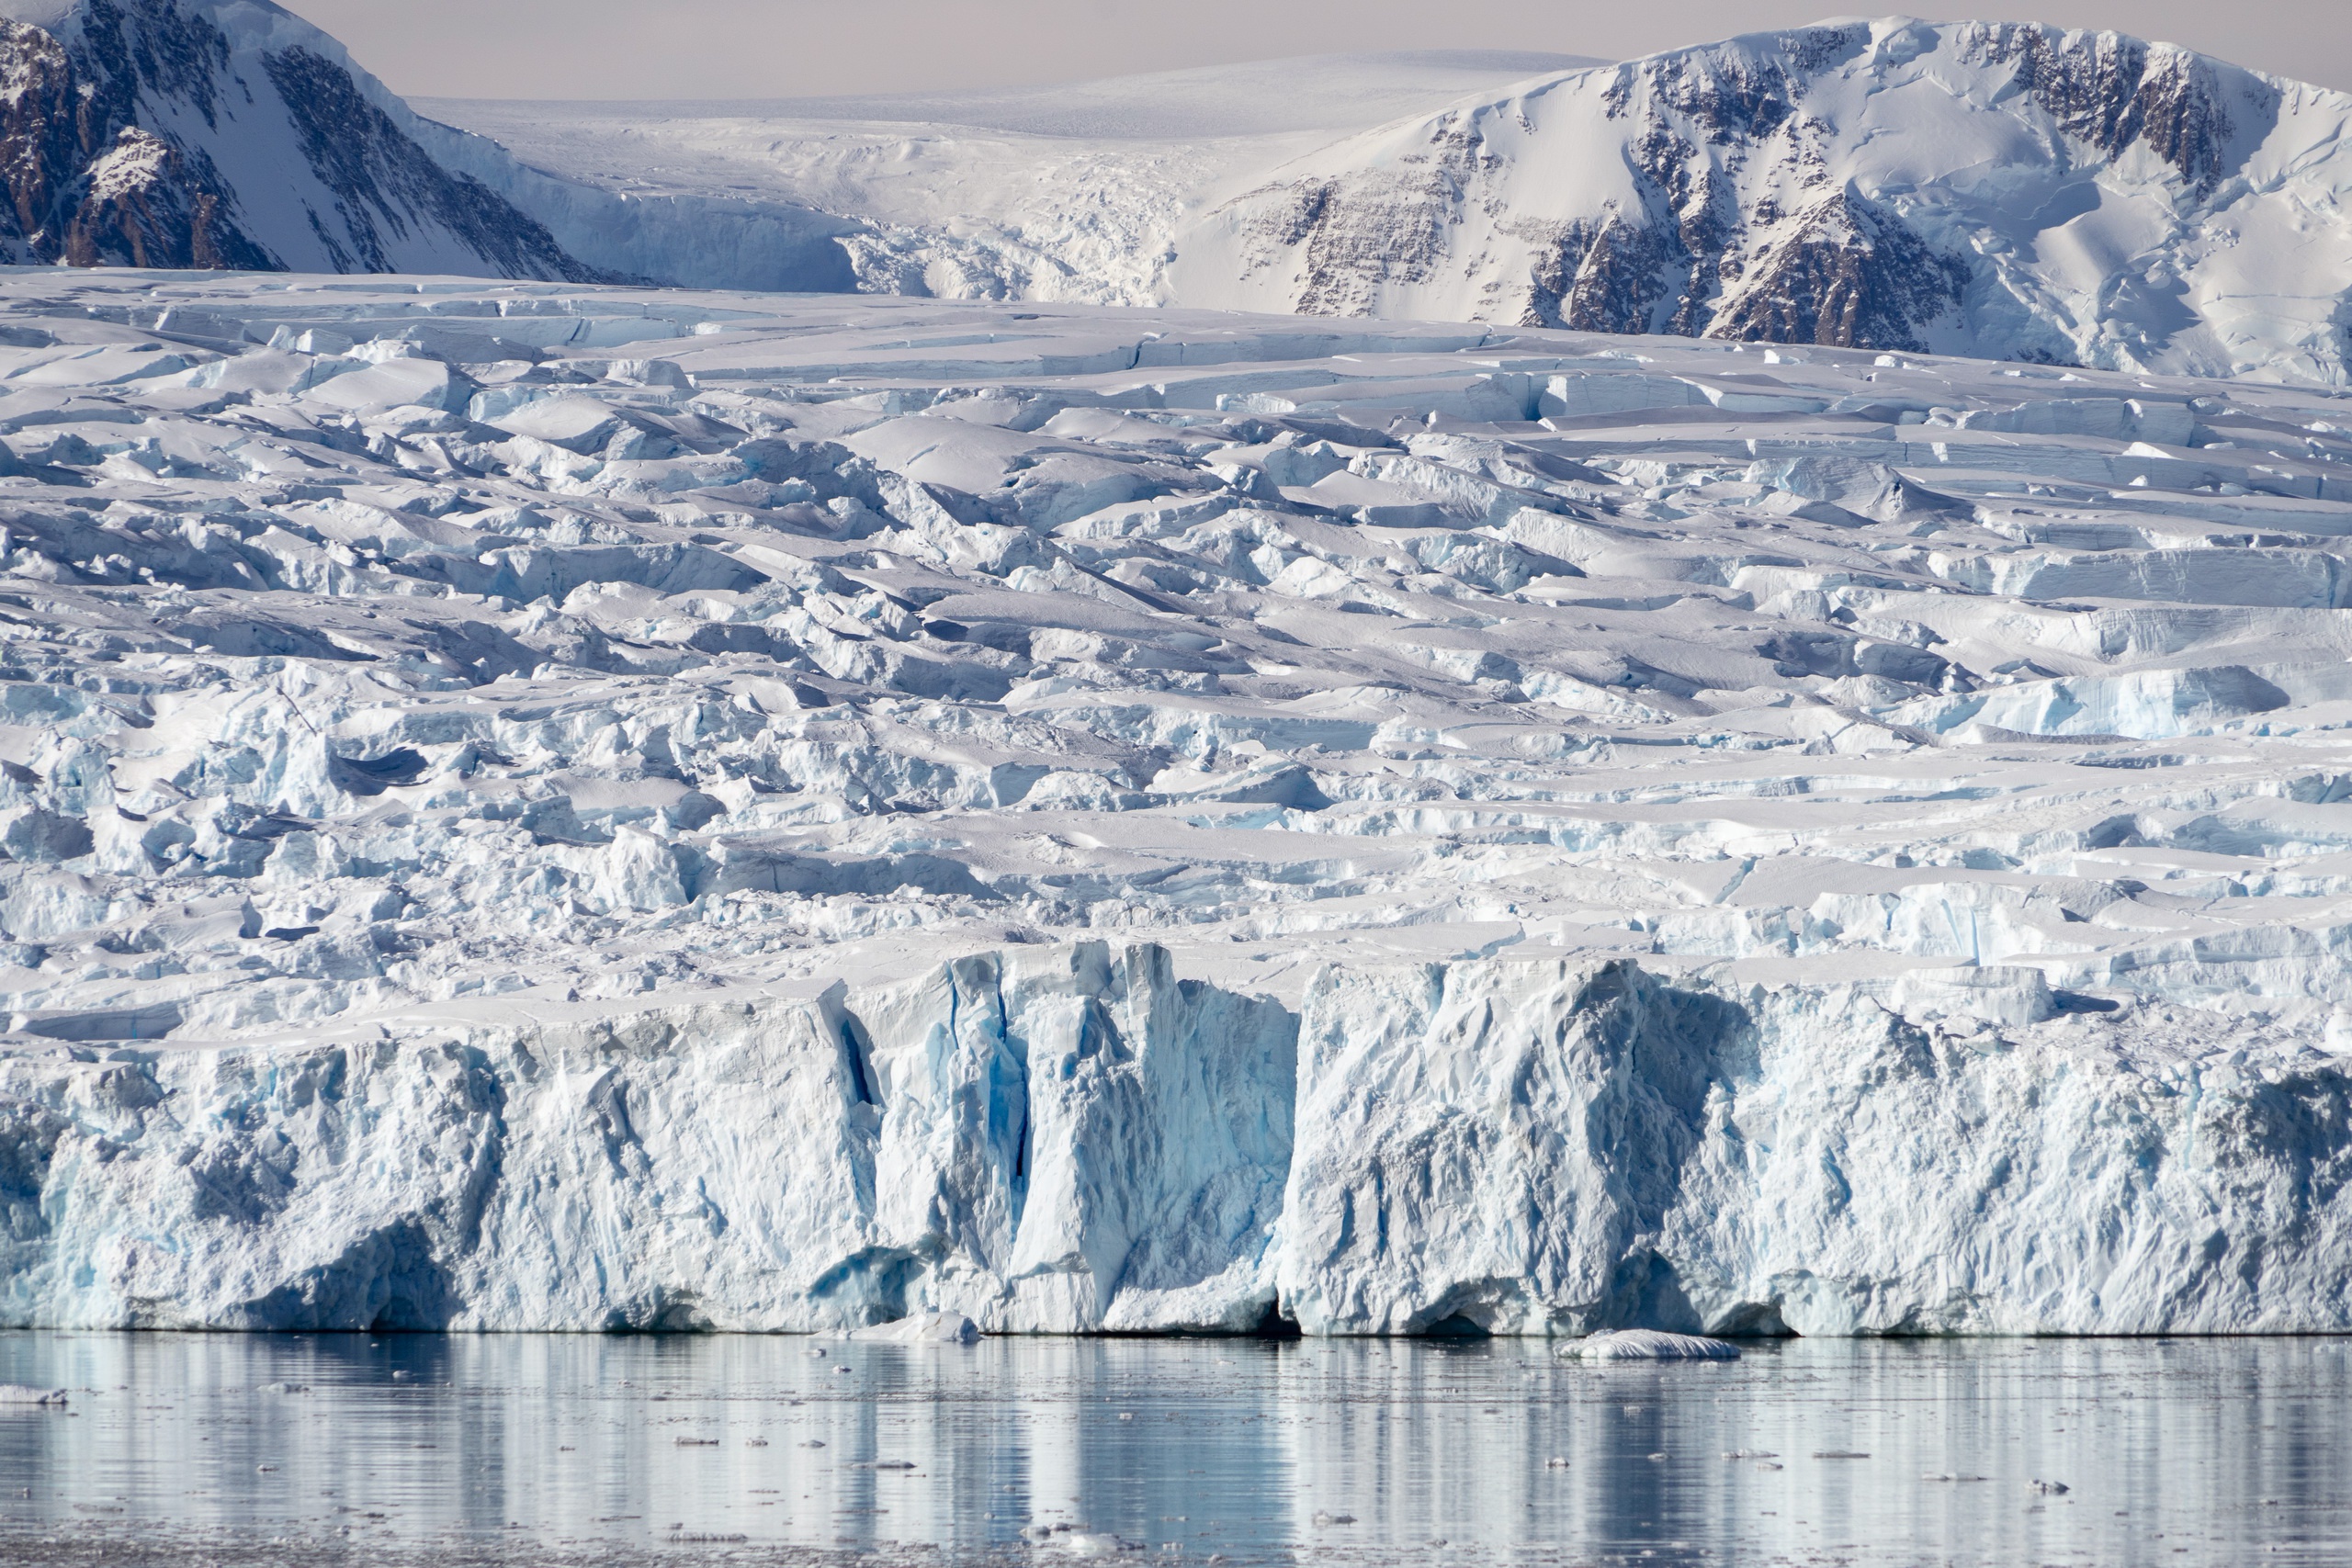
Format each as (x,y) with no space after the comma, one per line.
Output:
(539,806)
(1071,1140)
(2001,190)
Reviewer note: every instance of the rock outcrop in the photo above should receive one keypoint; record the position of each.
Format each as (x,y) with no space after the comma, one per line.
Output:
(228,134)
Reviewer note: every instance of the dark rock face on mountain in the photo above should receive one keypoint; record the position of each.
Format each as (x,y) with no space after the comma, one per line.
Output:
(166,134)
(85,184)
(1851,273)
(2001,190)
(2113,92)
(383,182)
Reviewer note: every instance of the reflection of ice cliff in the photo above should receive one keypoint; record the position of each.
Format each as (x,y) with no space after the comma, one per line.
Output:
(1071,1139)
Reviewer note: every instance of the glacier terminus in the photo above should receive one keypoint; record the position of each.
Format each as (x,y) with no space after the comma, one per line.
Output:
(560,806)
(1500,696)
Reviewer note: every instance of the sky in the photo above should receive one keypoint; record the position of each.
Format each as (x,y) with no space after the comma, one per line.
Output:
(757,48)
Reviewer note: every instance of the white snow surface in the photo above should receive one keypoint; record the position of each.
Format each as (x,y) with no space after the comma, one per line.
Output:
(536,806)
(2100,200)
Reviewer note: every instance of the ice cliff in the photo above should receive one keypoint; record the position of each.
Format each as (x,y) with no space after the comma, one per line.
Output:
(531,805)
(1071,1139)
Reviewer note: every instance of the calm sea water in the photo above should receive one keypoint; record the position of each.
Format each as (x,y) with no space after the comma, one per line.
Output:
(219,1448)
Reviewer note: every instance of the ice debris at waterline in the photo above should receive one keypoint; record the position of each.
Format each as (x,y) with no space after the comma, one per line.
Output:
(1649,1345)
(19,1394)
(923,1328)
(812,812)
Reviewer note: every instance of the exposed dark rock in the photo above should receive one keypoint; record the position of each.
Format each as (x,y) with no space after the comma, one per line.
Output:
(2113,91)
(1735,225)
(1852,275)
(104,165)
(386,182)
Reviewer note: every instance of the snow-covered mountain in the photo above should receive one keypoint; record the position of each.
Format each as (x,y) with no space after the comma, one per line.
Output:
(1999,189)
(1067,193)
(229,133)
(1975,187)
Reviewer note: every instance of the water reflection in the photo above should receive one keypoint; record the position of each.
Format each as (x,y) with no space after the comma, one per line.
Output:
(2167,1452)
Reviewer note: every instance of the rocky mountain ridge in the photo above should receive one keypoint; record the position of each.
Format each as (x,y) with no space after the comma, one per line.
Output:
(232,134)
(163,133)
(2002,189)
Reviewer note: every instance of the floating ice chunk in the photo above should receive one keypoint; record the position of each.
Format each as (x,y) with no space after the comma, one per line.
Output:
(1090,1543)
(21,1394)
(923,1328)
(1649,1345)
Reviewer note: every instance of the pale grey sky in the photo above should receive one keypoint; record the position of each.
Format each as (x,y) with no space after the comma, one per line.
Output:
(756,49)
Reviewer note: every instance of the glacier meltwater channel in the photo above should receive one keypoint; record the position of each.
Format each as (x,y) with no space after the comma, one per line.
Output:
(549,807)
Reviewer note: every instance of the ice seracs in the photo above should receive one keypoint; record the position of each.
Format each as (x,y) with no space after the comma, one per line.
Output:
(534,805)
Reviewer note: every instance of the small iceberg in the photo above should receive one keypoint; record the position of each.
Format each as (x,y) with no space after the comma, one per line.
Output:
(20,1393)
(923,1329)
(1649,1345)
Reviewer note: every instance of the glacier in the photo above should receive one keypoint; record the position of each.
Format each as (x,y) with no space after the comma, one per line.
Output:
(547,805)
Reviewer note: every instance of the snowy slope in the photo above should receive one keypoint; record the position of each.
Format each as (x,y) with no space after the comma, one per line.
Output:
(231,134)
(1992,188)
(1252,98)
(542,806)
(1061,193)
